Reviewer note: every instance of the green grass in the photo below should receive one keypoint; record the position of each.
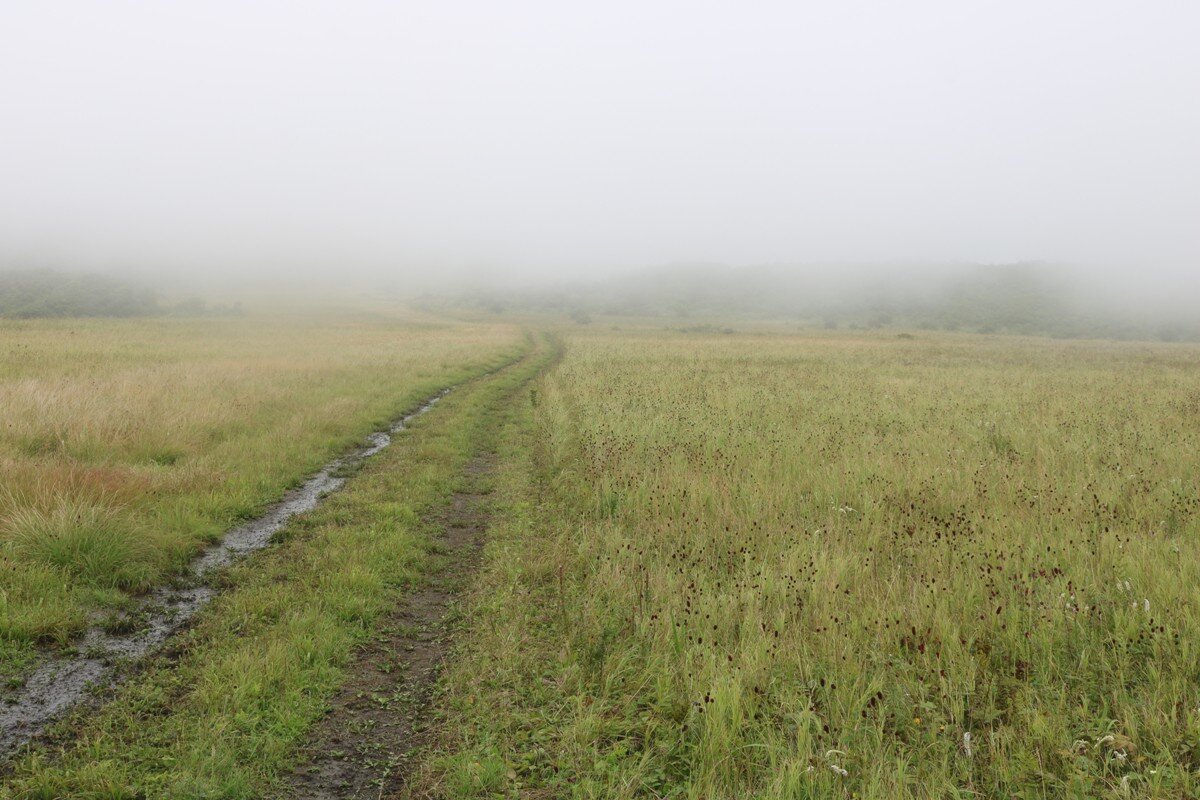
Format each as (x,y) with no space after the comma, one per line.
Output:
(128,445)
(222,714)
(725,566)
(839,566)
(89,542)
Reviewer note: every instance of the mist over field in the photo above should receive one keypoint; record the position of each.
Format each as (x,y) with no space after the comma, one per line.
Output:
(855,161)
(613,400)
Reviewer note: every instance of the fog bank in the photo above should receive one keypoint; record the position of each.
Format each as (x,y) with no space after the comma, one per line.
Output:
(320,143)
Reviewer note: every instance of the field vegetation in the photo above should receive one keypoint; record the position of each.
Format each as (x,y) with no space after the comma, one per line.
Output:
(721,564)
(863,566)
(128,445)
(222,712)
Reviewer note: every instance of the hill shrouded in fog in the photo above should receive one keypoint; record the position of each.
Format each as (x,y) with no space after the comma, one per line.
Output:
(1028,299)
(47,293)
(39,293)
(1025,298)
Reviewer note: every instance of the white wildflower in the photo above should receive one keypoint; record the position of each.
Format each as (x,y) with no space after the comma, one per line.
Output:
(830,754)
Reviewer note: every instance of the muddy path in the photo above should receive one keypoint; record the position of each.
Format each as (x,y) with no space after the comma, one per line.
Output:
(63,681)
(363,746)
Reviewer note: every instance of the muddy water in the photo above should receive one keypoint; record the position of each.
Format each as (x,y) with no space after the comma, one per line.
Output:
(63,681)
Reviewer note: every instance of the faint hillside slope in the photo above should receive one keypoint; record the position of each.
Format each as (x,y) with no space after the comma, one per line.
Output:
(1026,298)
(48,293)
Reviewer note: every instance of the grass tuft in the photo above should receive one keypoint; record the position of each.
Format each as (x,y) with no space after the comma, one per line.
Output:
(92,543)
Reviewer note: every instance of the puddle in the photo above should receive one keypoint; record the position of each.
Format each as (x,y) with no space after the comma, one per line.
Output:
(63,681)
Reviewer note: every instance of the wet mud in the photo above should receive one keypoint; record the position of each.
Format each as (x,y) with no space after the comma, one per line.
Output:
(62,681)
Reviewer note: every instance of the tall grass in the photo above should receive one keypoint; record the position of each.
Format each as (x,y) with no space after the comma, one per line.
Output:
(127,445)
(787,567)
(223,714)
(91,543)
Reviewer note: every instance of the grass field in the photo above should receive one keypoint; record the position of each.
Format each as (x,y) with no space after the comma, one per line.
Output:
(842,566)
(770,565)
(128,445)
(221,712)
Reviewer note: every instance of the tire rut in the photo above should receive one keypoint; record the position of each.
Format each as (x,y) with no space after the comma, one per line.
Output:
(363,746)
(62,682)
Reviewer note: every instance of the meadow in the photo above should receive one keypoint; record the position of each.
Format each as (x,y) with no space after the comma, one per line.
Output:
(860,564)
(843,565)
(224,710)
(128,445)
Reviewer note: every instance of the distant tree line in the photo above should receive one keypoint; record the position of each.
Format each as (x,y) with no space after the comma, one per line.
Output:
(47,293)
(27,294)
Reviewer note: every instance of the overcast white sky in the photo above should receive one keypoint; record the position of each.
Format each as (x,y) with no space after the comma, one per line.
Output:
(570,137)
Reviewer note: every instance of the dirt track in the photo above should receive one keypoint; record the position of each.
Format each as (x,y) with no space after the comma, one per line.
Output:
(363,747)
(63,681)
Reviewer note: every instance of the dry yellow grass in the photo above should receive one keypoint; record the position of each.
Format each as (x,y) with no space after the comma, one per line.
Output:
(127,445)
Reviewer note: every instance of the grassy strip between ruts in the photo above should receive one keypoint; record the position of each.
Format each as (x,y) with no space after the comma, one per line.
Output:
(499,695)
(221,714)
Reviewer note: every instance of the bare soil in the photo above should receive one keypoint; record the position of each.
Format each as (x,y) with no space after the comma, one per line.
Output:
(376,724)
